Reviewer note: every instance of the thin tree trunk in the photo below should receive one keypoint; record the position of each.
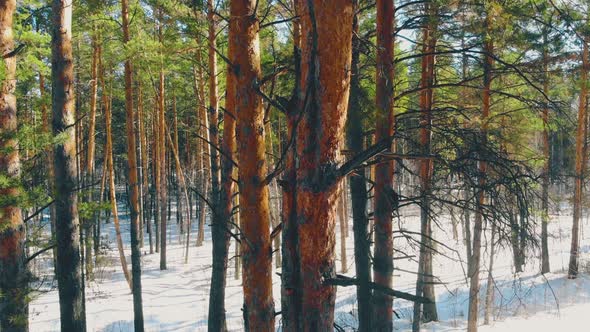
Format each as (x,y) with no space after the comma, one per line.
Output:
(162,151)
(156,171)
(546,165)
(482,169)
(490,285)
(290,272)
(341,217)
(112,192)
(144,164)
(14,275)
(68,271)
(134,180)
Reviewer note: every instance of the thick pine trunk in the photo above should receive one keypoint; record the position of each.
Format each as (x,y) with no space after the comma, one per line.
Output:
(14,307)
(384,200)
(325,78)
(256,246)
(68,271)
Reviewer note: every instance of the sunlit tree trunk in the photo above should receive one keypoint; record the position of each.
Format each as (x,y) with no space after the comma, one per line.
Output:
(68,271)
(325,76)
(14,307)
(256,246)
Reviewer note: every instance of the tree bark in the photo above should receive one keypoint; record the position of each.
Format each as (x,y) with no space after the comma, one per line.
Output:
(424,283)
(133,180)
(112,191)
(162,151)
(580,160)
(545,268)
(221,199)
(290,264)
(490,285)
(69,273)
(384,204)
(256,246)
(480,194)
(358,188)
(14,275)
(325,78)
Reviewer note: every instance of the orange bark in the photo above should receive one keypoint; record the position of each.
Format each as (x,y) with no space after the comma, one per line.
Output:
(14,308)
(326,29)
(256,248)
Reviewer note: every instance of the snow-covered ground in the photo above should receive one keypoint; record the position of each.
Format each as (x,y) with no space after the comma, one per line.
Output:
(177,299)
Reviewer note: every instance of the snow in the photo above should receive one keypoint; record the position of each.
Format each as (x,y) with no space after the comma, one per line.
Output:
(177,299)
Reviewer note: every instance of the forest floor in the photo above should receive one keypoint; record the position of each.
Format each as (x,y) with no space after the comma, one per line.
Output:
(177,299)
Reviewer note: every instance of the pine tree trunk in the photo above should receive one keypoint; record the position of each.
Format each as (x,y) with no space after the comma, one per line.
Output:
(546,166)
(325,89)
(384,200)
(203,147)
(490,285)
(112,192)
(424,284)
(69,270)
(580,160)
(358,189)
(156,169)
(480,194)
(14,275)
(162,150)
(290,267)
(134,181)
(144,165)
(256,246)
